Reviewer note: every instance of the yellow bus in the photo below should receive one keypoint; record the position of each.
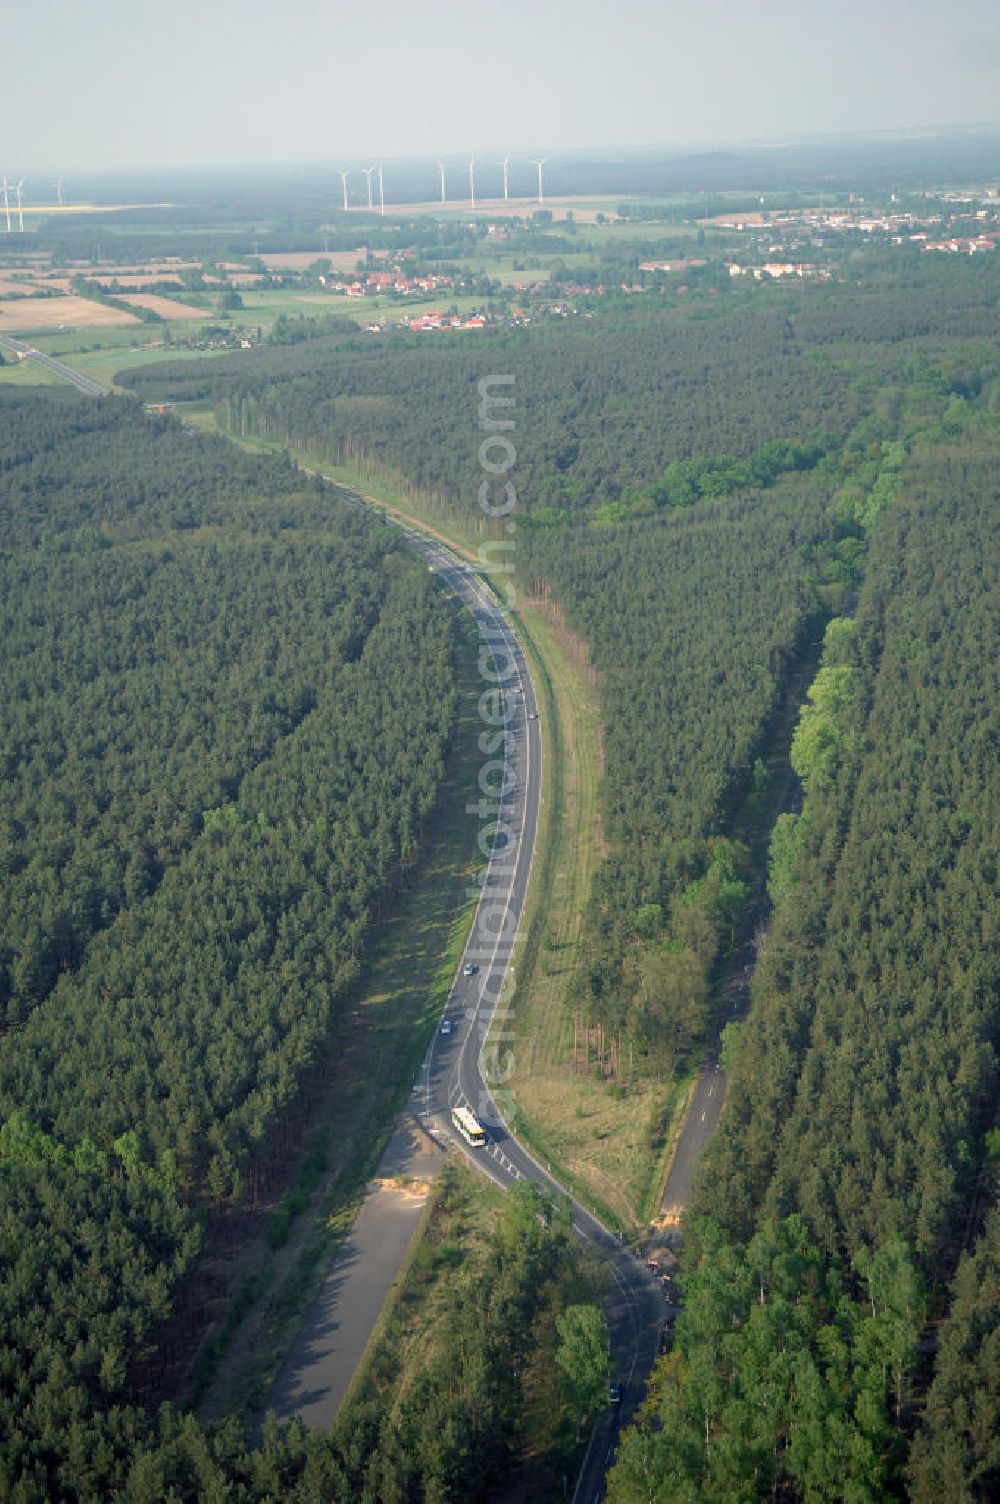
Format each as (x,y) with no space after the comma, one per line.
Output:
(468,1126)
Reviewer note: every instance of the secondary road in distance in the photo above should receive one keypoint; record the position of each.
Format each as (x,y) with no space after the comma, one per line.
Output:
(85,384)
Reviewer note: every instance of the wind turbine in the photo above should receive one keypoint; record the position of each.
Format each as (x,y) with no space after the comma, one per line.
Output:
(444,197)
(472,182)
(20,212)
(368,172)
(381,191)
(58,186)
(344,174)
(6,203)
(505,164)
(540,164)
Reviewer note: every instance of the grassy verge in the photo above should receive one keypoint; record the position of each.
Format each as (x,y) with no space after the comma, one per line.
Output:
(610,1146)
(415,950)
(601,1142)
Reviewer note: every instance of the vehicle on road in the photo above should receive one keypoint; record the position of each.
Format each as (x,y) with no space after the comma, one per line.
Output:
(614,1394)
(468,1126)
(446,1026)
(468,970)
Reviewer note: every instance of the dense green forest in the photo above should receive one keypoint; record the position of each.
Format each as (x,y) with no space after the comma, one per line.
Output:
(697,549)
(414,405)
(219,748)
(837,1342)
(139,692)
(608,402)
(243,751)
(82,474)
(832,1212)
(692,622)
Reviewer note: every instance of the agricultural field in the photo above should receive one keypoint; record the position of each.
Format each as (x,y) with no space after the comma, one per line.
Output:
(138,279)
(24,315)
(300,261)
(167,308)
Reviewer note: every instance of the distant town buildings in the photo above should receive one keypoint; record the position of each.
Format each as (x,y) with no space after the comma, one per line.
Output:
(370,284)
(962,246)
(674,265)
(777,270)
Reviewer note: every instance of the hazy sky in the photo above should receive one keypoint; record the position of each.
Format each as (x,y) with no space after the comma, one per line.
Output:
(108,83)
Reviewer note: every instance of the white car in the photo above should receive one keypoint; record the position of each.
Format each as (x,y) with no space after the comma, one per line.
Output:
(446,1026)
(468,970)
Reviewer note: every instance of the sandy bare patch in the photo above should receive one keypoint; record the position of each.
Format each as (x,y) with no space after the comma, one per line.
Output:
(420,1189)
(54,313)
(165,307)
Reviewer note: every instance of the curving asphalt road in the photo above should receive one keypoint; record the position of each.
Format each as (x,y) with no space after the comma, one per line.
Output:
(470,1064)
(467,1063)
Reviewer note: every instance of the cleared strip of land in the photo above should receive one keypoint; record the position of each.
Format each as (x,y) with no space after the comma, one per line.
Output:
(319,1370)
